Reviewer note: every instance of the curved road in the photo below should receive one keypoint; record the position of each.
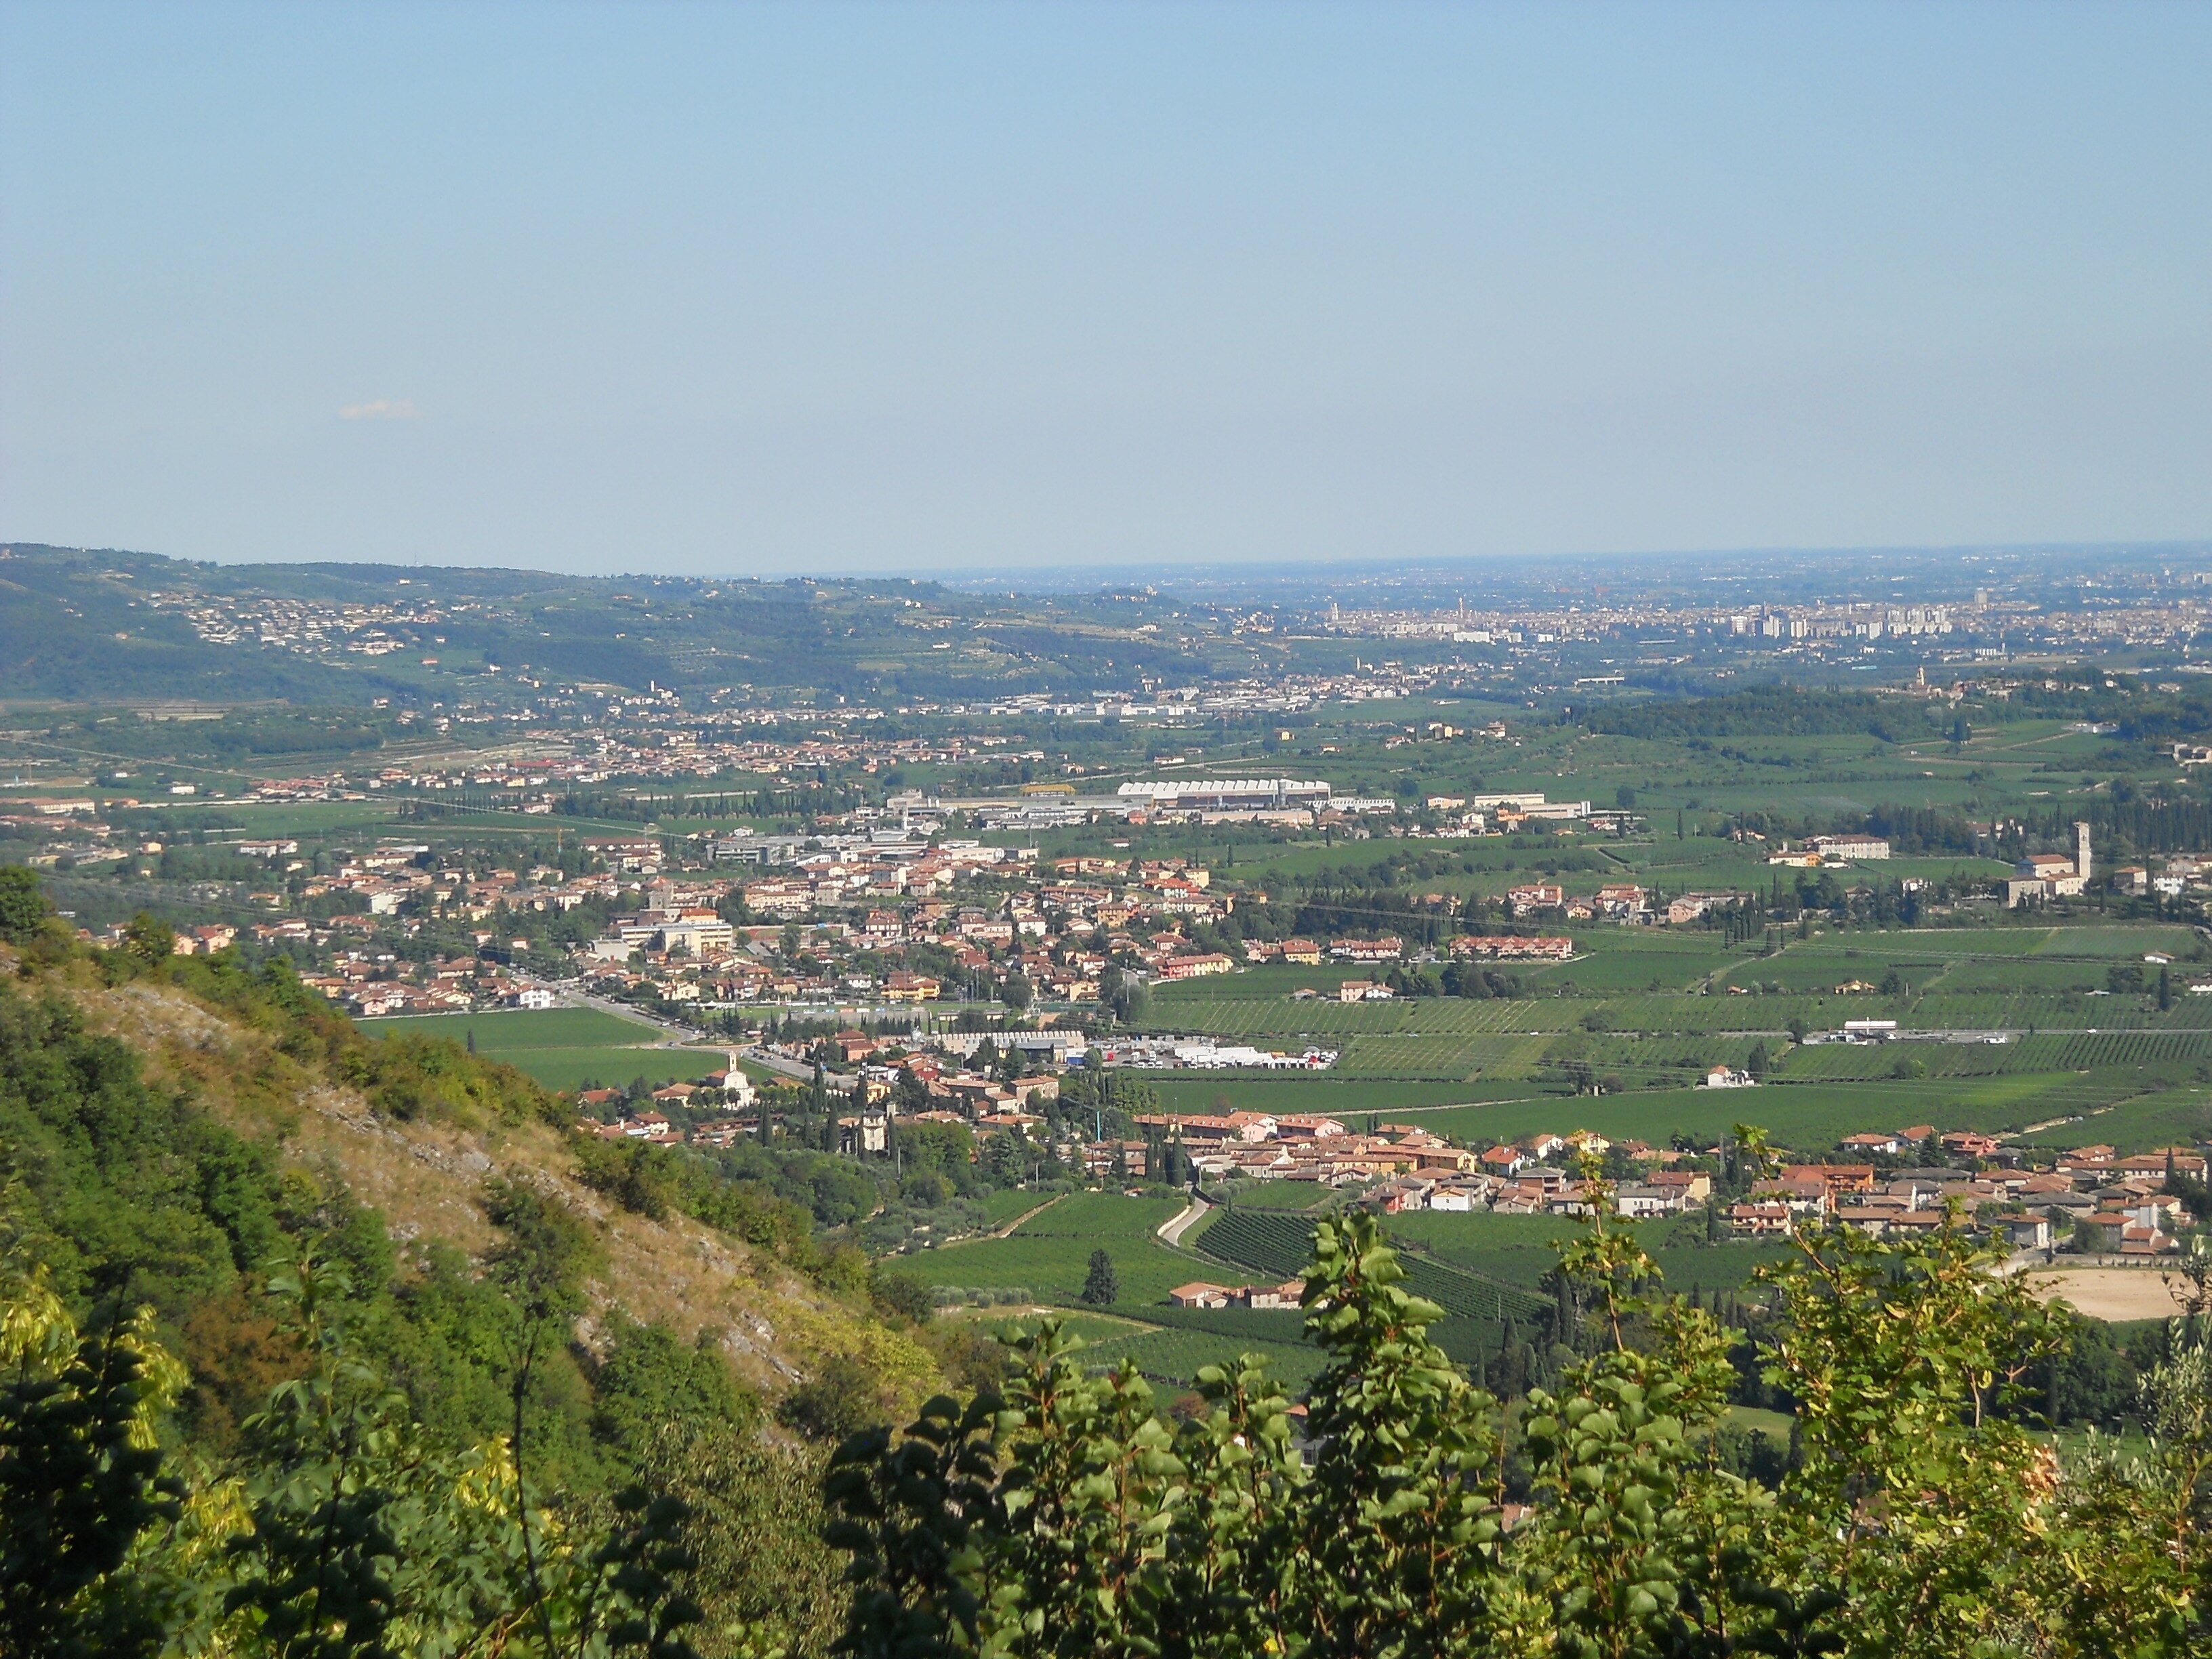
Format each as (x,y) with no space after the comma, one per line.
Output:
(1172,1229)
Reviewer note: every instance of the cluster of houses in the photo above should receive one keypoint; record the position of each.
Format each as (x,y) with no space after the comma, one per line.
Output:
(204,941)
(678,941)
(727,1094)
(368,979)
(1200,1294)
(1621,902)
(2113,1205)
(874,887)
(1399,1167)
(2050,875)
(1818,850)
(1298,1147)
(2109,1203)
(2176,874)
(1521,1177)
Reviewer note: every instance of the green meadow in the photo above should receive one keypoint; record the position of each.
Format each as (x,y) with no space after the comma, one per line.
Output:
(564,1047)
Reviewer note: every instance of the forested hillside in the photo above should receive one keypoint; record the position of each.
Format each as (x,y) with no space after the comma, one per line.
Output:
(211,1169)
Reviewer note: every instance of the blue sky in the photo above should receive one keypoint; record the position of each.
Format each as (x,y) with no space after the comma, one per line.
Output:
(761,288)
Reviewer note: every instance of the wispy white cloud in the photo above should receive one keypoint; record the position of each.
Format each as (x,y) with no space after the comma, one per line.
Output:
(382,408)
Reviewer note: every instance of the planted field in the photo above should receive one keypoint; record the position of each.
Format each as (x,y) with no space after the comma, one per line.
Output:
(519,1029)
(1520,1249)
(2118,941)
(1275,1245)
(2088,1052)
(1284,1325)
(1788,975)
(1051,1270)
(1431,1057)
(1807,1116)
(565,1047)
(1284,1196)
(1837,1062)
(1649,1055)
(1279,1246)
(1099,1215)
(305,818)
(2002,940)
(1004,1204)
(1083,1323)
(1659,1013)
(1625,961)
(1328,1095)
(1176,1357)
(2036,973)
(1048,1256)
(2174,1117)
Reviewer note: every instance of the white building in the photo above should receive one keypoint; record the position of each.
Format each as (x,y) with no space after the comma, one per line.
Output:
(1854,847)
(1223,794)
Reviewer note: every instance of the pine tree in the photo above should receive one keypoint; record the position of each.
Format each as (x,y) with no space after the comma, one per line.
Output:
(1101,1288)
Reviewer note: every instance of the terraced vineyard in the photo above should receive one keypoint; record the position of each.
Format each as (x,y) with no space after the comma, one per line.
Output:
(2053,1052)
(1282,1325)
(1279,1246)
(1443,1056)
(1176,1357)
(1271,1243)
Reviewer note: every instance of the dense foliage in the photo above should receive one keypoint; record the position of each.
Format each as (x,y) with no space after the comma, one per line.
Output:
(1760,711)
(235,1418)
(1071,1518)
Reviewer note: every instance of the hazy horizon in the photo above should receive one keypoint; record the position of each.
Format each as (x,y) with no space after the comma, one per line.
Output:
(962,291)
(1314,579)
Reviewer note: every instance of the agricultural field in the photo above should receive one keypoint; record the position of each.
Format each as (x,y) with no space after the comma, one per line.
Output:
(1326,1093)
(1287,1195)
(1520,1249)
(1647,1011)
(1170,1346)
(564,1047)
(1046,1259)
(1809,1116)
(1048,1256)
(2171,1117)
(1175,1357)
(1010,1204)
(1274,1245)
(2117,1295)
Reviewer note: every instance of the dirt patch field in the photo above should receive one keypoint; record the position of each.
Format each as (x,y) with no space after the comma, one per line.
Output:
(2111,1293)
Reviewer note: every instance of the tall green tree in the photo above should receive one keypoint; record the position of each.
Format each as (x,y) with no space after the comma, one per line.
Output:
(22,906)
(1101,1286)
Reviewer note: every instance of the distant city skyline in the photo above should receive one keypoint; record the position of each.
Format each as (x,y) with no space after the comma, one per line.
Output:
(944,290)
